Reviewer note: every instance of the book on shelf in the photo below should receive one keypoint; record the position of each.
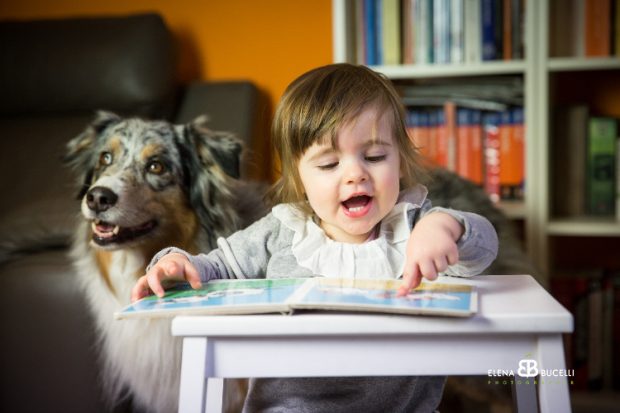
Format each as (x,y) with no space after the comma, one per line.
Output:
(513,29)
(287,295)
(512,153)
(469,145)
(408,32)
(601,164)
(566,28)
(441,31)
(507,29)
(423,31)
(492,143)
(370,39)
(568,160)
(391,32)
(597,15)
(457,31)
(472,31)
(492,31)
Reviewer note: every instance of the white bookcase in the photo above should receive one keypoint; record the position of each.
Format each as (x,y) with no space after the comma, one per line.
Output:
(536,69)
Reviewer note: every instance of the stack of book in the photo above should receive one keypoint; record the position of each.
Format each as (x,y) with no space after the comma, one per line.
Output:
(390,32)
(475,129)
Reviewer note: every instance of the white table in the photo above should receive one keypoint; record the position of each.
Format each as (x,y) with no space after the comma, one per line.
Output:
(517,320)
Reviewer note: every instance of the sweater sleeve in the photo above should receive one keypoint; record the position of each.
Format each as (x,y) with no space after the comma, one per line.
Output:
(244,254)
(477,246)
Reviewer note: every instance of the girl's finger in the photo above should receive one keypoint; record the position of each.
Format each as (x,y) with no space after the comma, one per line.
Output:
(192,276)
(410,280)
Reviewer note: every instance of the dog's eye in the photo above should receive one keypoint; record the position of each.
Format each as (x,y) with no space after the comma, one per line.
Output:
(155,167)
(105,158)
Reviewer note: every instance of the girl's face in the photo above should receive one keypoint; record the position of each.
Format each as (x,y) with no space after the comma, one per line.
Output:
(353,187)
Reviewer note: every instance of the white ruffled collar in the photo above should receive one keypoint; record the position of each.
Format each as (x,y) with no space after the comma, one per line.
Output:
(380,258)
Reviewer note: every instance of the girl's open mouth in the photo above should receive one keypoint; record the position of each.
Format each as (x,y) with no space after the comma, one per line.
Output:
(357,206)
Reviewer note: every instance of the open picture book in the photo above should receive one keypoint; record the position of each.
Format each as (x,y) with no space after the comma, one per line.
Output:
(286,295)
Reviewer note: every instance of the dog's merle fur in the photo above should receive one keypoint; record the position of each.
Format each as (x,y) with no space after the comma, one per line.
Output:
(146,185)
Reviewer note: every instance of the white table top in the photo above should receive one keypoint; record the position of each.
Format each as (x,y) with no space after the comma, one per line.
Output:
(507,304)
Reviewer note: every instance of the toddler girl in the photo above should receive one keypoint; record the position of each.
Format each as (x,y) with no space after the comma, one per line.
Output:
(349,204)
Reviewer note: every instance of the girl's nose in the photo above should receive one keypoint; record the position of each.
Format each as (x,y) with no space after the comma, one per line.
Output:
(355,172)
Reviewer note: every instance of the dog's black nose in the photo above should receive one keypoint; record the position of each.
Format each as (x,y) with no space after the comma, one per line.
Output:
(100,198)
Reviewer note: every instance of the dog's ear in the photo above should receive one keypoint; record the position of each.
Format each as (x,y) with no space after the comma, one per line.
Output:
(221,147)
(211,168)
(80,150)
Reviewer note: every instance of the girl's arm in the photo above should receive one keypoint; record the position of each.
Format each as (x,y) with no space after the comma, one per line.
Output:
(445,240)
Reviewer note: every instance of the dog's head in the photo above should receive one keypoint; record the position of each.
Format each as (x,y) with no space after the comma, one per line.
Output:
(154,182)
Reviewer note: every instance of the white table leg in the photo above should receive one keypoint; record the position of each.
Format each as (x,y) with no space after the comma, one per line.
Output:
(215,393)
(553,396)
(524,395)
(193,368)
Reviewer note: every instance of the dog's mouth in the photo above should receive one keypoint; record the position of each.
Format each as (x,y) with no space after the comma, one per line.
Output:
(105,233)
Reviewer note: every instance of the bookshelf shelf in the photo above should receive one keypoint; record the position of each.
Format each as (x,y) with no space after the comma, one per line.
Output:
(587,227)
(517,67)
(513,209)
(583,64)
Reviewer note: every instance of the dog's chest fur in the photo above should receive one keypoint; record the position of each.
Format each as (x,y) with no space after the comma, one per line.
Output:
(142,353)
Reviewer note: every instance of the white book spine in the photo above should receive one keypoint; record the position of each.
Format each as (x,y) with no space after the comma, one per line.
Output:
(472,27)
(456,31)
(421,15)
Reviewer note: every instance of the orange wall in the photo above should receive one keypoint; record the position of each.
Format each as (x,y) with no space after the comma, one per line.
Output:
(269,42)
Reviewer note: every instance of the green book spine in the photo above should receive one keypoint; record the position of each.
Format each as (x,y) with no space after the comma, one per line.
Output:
(602,135)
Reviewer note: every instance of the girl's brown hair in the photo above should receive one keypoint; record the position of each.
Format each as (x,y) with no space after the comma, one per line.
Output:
(316,104)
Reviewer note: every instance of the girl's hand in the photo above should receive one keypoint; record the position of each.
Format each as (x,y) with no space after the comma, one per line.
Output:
(431,249)
(173,267)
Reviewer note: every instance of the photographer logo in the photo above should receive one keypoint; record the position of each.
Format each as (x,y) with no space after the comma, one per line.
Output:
(528,368)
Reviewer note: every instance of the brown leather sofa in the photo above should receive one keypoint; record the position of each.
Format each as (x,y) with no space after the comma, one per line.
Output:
(54,75)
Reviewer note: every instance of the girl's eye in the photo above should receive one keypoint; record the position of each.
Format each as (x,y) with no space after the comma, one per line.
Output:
(328,166)
(155,167)
(377,158)
(105,159)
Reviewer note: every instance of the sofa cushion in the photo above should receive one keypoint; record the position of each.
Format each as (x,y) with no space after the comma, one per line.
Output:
(124,64)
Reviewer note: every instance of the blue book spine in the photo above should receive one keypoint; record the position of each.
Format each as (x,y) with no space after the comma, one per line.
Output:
(379,31)
(463,117)
(488,11)
(371,32)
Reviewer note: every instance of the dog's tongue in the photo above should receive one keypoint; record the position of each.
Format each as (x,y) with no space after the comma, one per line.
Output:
(103,229)
(356,201)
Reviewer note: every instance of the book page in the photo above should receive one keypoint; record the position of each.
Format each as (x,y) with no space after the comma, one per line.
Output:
(218,297)
(372,295)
